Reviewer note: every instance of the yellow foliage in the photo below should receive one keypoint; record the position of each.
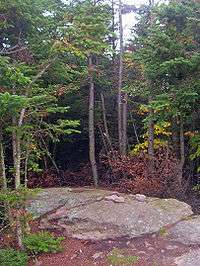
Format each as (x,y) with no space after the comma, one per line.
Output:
(143,109)
(32,146)
(129,62)
(159,131)
(158,143)
(191,134)
(162,130)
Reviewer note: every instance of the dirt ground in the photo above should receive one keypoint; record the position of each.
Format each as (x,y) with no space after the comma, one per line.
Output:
(149,250)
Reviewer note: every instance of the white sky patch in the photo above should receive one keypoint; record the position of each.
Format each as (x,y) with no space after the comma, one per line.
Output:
(129,19)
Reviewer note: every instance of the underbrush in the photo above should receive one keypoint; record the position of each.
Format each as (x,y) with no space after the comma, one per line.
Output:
(17,242)
(34,244)
(134,173)
(130,173)
(52,178)
(42,242)
(11,257)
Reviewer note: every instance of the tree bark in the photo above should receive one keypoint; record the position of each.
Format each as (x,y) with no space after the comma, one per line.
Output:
(151,122)
(91,125)
(182,144)
(16,145)
(26,169)
(2,164)
(135,130)
(175,137)
(120,125)
(105,122)
(113,30)
(124,123)
(151,135)
(182,157)
(151,151)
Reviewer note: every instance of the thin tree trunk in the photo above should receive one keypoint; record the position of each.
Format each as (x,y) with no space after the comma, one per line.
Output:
(151,122)
(124,123)
(151,140)
(2,163)
(113,30)
(135,130)
(16,145)
(104,140)
(49,155)
(182,160)
(120,125)
(91,125)
(105,122)
(175,137)
(151,135)
(182,144)
(26,169)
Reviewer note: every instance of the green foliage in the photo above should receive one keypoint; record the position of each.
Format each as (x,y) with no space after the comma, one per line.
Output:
(19,196)
(11,257)
(89,28)
(195,143)
(166,64)
(45,48)
(11,103)
(42,242)
(196,188)
(195,148)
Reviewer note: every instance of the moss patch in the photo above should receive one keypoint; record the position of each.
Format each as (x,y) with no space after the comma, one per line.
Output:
(163,231)
(116,257)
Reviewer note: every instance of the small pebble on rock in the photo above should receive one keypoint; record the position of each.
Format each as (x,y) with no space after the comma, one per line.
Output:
(115,198)
(140,197)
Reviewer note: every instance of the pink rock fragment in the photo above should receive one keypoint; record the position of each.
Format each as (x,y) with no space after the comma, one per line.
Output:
(140,197)
(115,198)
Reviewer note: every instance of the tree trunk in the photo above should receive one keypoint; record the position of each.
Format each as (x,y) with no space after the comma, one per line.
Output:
(105,122)
(182,159)
(151,122)
(16,145)
(124,123)
(120,121)
(91,125)
(150,135)
(26,169)
(175,137)
(2,164)
(182,144)
(134,128)
(113,30)
(151,139)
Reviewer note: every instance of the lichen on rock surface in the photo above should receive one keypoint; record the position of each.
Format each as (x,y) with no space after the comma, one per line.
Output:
(98,214)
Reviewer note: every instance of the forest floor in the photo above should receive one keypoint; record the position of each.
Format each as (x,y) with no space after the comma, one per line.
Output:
(105,231)
(145,251)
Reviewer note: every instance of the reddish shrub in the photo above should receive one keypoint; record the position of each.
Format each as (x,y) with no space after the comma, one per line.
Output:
(52,178)
(48,178)
(80,177)
(133,174)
